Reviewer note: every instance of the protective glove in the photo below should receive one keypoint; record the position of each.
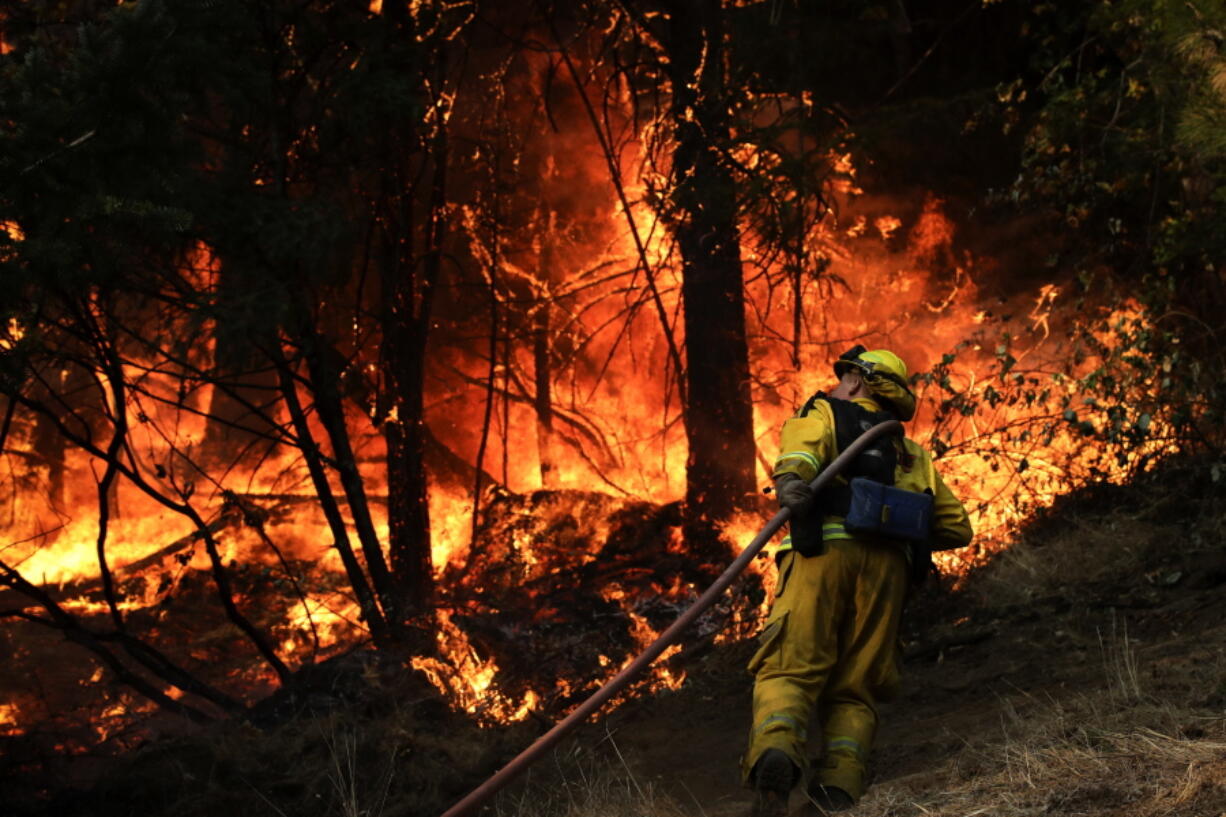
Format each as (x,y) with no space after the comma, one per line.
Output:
(794,493)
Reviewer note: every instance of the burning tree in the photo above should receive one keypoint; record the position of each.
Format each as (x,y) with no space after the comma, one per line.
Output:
(228,264)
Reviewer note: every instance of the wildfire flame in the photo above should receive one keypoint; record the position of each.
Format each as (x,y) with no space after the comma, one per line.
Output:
(884,283)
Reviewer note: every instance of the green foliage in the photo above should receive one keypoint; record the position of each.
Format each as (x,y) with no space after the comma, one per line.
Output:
(1115,400)
(1126,144)
(1124,147)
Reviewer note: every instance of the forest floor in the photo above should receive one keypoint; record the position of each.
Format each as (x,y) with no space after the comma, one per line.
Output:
(1080,672)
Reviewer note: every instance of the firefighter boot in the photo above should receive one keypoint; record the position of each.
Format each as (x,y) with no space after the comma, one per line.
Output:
(828,799)
(773,777)
(838,783)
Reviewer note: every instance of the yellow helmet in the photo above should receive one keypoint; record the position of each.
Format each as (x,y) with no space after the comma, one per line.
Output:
(885,375)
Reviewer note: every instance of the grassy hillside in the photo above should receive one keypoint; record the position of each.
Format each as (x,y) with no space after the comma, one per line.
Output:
(1083,672)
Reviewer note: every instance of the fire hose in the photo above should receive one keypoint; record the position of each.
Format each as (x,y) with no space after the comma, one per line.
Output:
(618,682)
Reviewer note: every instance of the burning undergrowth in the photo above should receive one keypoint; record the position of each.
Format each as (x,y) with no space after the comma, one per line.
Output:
(538,594)
(562,587)
(560,590)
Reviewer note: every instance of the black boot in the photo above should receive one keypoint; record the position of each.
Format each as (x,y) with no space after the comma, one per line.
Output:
(773,777)
(829,799)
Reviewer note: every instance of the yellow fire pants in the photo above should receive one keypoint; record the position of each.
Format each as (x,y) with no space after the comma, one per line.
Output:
(830,640)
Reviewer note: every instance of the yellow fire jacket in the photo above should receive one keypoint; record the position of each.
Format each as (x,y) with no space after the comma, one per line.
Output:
(807,445)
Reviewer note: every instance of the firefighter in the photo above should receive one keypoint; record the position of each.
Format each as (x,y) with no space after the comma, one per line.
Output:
(830,641)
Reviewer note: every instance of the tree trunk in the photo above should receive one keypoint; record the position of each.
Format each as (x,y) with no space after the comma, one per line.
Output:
(718,412)
(239,422)
(408,509)
(543,401)
(406,279)
(324,377)
(50,444)
(408,284)
(371,611)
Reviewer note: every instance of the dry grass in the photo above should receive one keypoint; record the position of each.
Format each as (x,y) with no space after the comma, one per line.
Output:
(592,781)
(1112,534)
(1120,750)
(1082,550)
(1120,661)
(356,797)
(1048,765)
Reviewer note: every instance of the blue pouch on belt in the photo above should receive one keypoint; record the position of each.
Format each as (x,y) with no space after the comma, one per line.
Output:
(884,510)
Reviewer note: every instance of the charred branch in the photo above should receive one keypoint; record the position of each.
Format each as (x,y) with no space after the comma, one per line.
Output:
(118,440)
(586,431)
(255,420)
(490,389)
(371,611)
(543,399)
(616,179)
(6,425)
(328,405)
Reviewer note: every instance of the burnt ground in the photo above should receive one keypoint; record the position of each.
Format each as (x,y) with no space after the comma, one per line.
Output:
(1080,672)
(1083,672)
